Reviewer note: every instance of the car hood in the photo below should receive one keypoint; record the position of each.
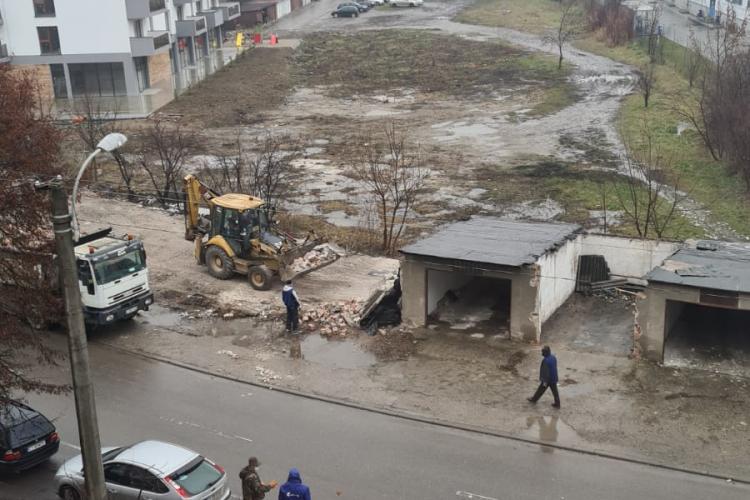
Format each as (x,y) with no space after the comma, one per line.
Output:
(74,466)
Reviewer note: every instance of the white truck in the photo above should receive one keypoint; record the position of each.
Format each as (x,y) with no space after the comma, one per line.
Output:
(112,277)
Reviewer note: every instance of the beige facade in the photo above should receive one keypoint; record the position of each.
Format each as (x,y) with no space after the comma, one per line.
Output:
(160,70)
(41,75)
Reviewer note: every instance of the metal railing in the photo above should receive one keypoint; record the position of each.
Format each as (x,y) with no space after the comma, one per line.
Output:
(200,24)
(234,10)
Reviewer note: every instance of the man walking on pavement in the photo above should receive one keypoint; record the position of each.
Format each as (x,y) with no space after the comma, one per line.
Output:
(291,301)
(294,487)
(252,487)
(547,377)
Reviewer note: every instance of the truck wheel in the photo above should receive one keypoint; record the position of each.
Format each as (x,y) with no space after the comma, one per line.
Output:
(219,264)
(260,277)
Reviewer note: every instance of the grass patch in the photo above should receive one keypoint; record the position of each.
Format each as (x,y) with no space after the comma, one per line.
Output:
(533,16)
(377,61)
(329,206)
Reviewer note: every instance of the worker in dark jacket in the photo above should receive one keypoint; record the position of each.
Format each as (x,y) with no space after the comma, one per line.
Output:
(547,377)
(252,487)
(291,301)
(294,487)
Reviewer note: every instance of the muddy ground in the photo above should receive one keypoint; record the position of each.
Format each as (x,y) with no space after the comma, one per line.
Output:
(510,145)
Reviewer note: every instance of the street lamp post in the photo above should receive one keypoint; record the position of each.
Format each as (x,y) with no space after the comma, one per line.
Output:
(83,388)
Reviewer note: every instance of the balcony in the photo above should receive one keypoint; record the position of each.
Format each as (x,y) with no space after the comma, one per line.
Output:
(4,57)
(213,18)
(154,42)
(181,2)
(192,26)
(231,10)
(140,9)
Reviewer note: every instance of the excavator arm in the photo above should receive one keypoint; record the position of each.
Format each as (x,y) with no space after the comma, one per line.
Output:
(197,195)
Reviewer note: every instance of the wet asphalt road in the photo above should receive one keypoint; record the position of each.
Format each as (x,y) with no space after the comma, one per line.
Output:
(361,455)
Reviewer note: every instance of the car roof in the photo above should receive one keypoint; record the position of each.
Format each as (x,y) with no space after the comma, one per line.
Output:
(162,458)
(12,412)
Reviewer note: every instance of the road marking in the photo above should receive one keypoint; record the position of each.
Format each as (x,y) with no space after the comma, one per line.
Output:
(466,494)
(71,445)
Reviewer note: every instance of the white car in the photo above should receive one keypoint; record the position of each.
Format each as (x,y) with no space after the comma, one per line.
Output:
(406,3)
(149,469)
(378,2)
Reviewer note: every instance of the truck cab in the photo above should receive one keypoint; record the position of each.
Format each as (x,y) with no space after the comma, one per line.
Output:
(112,278)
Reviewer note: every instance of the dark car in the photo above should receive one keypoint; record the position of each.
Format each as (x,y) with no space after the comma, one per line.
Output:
(345,11)
(361,6)
(27,438)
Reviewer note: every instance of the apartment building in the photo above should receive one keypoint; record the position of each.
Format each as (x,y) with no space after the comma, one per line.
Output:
(133,55)
(713,8)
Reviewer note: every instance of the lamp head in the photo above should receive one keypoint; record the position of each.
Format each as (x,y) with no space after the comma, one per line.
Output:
(112,141)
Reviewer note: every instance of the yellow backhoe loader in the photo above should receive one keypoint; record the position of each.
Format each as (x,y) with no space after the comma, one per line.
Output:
(235,233)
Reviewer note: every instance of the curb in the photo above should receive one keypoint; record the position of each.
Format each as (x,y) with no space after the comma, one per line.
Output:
(422,419)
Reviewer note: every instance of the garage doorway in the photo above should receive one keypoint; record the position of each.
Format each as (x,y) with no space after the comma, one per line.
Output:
(708,338)
(465,302)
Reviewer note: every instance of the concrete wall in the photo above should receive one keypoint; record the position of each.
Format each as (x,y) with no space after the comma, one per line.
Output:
(283,8)
(413,285)
(627,257)
(525,323)
(439,282)
(557,278)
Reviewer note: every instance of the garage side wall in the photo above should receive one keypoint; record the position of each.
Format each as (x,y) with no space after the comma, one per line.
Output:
(413,285)
(653,317)
(557,278)
(626,257)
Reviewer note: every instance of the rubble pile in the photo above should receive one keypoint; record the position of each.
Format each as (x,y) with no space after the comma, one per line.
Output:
(319,256)
(334,319)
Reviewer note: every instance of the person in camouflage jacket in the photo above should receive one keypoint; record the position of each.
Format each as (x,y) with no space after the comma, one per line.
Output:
(252,487)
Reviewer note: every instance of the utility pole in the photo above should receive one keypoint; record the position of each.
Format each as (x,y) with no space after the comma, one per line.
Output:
(83,389)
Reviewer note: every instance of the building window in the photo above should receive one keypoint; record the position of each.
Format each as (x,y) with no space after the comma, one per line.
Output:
(97,79)
(44,8)
(180,13)
(58,81)
(49,41)
(138,28)
(141,71)
(155,5)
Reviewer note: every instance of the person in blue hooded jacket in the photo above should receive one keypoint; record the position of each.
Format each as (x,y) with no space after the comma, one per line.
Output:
(294,488)
(291,301)
(547,377)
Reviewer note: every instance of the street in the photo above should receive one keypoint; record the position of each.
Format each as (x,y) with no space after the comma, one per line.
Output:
(341,452)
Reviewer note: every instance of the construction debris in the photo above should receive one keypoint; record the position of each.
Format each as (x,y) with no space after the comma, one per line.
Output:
(265,375)
(331,320)
(318,257)
(228,353)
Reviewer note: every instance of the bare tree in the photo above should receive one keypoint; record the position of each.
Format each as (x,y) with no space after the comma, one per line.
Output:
(646,81)
(229,174)
(91,124)
(567,29)
(648,199)
(389,168)
(693,61)
(29,147)
(653,35)
(271,171)
(610,20)
(165,148)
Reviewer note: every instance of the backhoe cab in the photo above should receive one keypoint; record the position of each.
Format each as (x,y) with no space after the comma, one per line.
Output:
(238,235)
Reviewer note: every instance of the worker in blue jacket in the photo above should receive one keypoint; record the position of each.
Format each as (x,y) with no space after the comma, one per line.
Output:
(547,377)
(294,487)
(291,301)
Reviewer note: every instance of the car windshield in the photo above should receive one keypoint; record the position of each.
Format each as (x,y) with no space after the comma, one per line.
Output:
(29,430)
(197,476)
(118,267)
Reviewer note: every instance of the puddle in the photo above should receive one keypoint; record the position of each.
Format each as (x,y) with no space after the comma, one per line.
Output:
(341,354)
(549,429)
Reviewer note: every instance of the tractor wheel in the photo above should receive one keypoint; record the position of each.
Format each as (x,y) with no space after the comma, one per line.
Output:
(260,277)
(68,493)
(219,264)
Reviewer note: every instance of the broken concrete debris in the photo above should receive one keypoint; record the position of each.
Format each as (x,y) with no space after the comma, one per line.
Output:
(320,256)
(333,319)
(228,353)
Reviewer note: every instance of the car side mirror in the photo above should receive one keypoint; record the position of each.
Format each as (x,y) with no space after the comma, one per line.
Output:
(90,287)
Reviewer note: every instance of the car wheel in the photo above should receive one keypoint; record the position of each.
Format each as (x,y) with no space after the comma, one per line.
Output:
(219,264)
(260,277)
(69,493)
(356,14)
(333,14)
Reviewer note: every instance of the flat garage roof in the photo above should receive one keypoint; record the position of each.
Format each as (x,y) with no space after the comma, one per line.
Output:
(717,265)
(495,241)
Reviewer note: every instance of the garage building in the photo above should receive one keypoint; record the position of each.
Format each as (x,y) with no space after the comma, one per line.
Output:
(697,306)
(519,272)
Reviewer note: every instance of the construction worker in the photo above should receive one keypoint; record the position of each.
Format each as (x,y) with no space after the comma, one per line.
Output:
(547,377)
(291,301)
(294,487)
(252,487)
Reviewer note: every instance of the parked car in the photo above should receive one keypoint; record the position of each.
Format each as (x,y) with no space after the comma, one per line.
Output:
(406,3)
(346,11)
(27,438)
(149,469)
(363,7)
(377,2)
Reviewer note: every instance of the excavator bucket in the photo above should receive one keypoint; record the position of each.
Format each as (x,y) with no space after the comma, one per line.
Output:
(306,258)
